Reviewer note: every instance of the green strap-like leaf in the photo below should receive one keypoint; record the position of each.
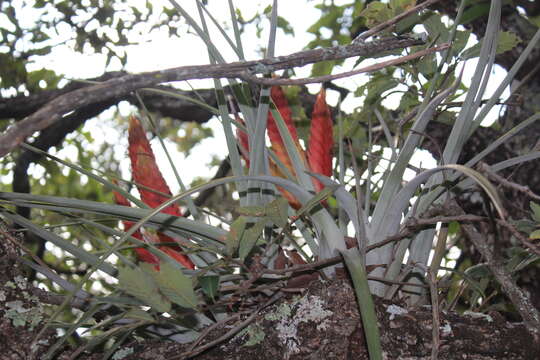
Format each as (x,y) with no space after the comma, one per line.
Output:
(235,234)
(250,237)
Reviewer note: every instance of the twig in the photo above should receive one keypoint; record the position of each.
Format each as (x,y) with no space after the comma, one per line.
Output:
(485,168)
(534,248)
(432,281)
(230,333)
(62,105)
(408,230)
(371,68)
(208,329)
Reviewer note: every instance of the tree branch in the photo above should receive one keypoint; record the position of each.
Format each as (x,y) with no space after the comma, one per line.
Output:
(63,105)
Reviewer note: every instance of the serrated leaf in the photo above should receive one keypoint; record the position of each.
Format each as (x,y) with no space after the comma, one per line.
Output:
(235,234)
(402,5)
(277,211)
(141,285)
(427,65)
(375,13)
(525,225)
(176,286)
(535,20)
(322,68)
(210,285)
(474,12)
(251,235)
(460,41)
(436,28)
(536,211)
(138,314)
(507,41)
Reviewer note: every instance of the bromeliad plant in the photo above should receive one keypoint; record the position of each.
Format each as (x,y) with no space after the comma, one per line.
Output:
(319,155)
(154,191)
(199,274)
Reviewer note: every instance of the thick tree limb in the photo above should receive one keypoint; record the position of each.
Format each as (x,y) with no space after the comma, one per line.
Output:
(61,106)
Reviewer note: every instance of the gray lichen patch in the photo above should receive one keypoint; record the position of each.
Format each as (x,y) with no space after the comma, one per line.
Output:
(254,335)
(122,353)
(23,316)
(478,315)
(20,282)
(282,311)
(395,310)
(308,309)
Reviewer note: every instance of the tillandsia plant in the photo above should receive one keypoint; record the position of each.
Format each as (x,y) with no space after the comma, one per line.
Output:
(154,191)
(340,206)
(321,141)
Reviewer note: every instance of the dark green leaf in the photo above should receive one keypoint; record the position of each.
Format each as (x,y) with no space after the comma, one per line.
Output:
(176,286)
(536,211)
(141,285)
(507,41)
(210,285)
(251,235)
(235,235)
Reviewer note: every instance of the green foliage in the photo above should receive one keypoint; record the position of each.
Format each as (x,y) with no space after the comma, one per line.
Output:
(210,285)
(174,285)
(158,288)
(507,41)
(378,205)
(104,27)
(139,283)
(535,234)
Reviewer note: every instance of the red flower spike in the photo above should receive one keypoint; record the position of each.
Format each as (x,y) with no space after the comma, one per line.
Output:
(152,187)
(293,201)
(174,251)
(150,183)
(321,139)
(282,105)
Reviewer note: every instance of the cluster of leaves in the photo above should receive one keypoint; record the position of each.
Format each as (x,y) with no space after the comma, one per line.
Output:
(103,27)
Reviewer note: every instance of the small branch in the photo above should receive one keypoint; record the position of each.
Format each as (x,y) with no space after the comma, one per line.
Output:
(371,68)
(534,248)
(63,105)
(506,183)
(409,229)
(230,333)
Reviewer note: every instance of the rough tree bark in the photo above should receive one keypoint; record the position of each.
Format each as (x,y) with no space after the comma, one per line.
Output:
(318,322)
